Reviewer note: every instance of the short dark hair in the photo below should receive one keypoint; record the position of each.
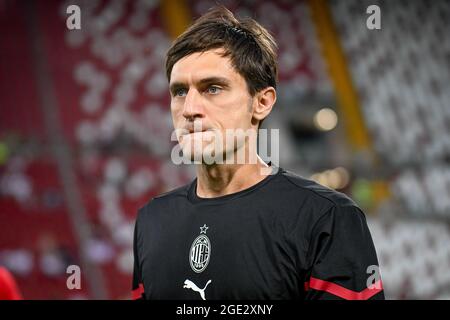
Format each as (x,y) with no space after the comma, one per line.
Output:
(251,48)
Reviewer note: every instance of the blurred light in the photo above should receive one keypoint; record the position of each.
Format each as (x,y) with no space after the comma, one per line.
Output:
(325,119)
(333,179)
(19,261)
(124,262)
(99,251)
(4,151)
(115,171)
(139,183)
(344,177)
(109,194)
(362,192)
(337,178)
(87,132)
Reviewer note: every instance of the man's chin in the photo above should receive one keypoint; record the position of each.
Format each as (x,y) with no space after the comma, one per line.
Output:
(202,156)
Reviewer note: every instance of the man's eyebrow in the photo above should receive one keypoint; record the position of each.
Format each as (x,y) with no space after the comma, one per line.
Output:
(216,80)
(176,85)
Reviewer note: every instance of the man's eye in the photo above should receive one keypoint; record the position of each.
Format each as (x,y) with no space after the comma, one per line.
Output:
(180,92)
(213,90)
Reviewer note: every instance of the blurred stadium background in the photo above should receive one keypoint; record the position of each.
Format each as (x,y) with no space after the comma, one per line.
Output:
(85,130)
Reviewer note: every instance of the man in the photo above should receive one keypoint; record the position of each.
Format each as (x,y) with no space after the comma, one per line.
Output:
(243,230)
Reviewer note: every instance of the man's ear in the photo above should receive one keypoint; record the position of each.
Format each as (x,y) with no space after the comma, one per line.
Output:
(265,100)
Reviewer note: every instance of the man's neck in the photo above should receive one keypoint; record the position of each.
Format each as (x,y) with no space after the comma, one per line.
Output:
(222,179)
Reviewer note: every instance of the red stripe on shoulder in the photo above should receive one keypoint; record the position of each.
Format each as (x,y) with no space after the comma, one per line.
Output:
(340,291)
(138,292)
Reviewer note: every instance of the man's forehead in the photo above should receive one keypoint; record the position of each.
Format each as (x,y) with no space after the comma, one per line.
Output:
(201,65)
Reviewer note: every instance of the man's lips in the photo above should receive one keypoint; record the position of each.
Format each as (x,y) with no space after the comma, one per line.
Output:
(197,134)
(192,130)
(195,131)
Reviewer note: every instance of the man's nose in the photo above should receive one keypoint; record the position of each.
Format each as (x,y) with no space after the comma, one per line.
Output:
(193,107)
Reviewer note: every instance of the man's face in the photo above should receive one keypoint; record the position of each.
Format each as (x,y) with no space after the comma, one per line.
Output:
(210,96)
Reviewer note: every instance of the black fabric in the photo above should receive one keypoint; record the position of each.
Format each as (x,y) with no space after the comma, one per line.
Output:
(265,242)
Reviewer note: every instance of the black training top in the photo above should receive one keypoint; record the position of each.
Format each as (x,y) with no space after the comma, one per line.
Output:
(286,237)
